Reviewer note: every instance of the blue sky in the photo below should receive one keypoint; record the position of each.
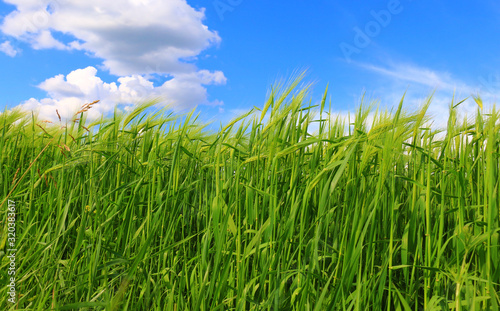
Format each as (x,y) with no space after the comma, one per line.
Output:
(222,56)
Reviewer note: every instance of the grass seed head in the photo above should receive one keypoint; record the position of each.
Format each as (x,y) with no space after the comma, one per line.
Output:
(86,107)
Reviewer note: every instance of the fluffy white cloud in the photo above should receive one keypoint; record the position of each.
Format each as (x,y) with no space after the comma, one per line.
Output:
(132,37)
(8,49)
(68,93)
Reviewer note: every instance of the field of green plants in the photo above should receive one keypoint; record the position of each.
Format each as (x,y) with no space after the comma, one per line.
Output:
(288,207)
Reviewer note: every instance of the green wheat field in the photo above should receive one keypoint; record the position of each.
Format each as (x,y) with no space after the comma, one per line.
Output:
(288,207)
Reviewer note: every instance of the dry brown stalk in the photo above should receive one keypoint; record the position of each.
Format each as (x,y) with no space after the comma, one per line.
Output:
(86,107)
(15,175)
(43,129)
(66,147)
(63,147)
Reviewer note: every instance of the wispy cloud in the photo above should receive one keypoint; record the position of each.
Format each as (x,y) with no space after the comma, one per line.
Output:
(418,75)
(418,82)
(8,49)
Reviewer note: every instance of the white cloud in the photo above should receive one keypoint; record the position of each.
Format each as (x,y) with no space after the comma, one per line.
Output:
(8,49)
(419,82)
(132,37)
(68,93)
(418,75)
(45,40)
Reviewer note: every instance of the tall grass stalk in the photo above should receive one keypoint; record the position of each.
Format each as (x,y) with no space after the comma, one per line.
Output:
(146,211)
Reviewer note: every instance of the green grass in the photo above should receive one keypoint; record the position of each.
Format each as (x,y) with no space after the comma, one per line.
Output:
(155,212)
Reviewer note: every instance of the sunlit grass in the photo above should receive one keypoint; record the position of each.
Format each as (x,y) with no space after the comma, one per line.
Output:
(154,212)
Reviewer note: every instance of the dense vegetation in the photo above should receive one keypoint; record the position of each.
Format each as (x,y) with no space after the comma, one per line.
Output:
(152,211)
